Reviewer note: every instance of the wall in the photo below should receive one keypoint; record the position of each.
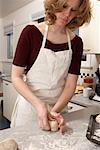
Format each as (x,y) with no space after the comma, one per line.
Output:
(20,19)
(0,43)
(0,9)
(9,6)
(91,35)
(6,68)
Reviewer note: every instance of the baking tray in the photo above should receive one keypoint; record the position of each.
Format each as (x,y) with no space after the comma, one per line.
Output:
(93,127)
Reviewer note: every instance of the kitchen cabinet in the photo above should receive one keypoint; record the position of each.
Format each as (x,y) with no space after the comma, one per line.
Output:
(9,98)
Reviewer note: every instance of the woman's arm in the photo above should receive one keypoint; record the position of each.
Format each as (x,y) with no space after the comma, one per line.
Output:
(21,86)
(23,89)
(67,93)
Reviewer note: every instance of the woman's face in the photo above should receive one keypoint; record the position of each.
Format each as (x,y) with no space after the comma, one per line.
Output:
(68,13)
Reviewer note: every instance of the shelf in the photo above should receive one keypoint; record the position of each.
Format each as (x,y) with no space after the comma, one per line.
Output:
(88,51)
(90,68)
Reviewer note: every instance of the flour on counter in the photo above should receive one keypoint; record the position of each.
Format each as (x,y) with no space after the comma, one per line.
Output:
(73,139)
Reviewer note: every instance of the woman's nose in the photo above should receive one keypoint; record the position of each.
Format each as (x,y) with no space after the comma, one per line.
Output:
(67,12)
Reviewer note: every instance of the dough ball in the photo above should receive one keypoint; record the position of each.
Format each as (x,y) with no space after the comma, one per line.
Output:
(53,125)
(8,144)
(98,119)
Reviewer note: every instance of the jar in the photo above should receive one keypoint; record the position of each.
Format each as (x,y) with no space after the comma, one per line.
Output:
(89,82)
(87,92)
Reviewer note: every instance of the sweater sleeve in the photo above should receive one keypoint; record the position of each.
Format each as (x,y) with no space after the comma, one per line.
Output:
(77,47)
(23,48)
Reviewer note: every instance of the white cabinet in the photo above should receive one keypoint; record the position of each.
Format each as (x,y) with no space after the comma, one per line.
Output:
(9,98)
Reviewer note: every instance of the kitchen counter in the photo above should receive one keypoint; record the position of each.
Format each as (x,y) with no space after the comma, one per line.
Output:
(7,78)
(73,139)
(79,99)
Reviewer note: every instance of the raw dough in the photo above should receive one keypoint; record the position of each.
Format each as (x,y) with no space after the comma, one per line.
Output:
(53,125)
(98,118)
(8,144)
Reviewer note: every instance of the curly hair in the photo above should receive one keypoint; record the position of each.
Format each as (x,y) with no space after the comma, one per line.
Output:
(83,15)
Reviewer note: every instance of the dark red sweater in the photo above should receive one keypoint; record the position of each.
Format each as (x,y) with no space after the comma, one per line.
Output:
(29,45)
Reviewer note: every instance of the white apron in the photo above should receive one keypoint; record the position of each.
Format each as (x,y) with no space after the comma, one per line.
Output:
(46,78)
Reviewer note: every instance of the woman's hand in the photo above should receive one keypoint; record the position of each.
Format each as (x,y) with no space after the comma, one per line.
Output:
(59,118)
(43,117)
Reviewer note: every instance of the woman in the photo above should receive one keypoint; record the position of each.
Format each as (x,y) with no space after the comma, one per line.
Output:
(51,55)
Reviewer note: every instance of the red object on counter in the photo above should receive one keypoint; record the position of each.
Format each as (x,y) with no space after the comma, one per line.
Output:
(88,80)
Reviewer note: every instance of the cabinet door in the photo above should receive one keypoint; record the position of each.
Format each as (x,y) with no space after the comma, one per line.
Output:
(9,98)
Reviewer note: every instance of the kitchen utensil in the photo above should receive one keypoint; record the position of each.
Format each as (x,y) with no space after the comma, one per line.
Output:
(93,127)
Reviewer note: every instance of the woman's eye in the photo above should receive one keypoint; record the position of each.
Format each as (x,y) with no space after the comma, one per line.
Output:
(74,10)
(65,6)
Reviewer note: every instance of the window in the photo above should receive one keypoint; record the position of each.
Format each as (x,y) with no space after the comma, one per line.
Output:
(77,31)
(10,45)
(39,16)
(8,32)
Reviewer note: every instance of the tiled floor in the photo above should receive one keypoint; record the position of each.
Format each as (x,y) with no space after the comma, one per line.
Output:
(4,123)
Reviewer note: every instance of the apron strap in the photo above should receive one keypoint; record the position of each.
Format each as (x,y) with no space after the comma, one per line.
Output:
(45,36)
(69,41)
